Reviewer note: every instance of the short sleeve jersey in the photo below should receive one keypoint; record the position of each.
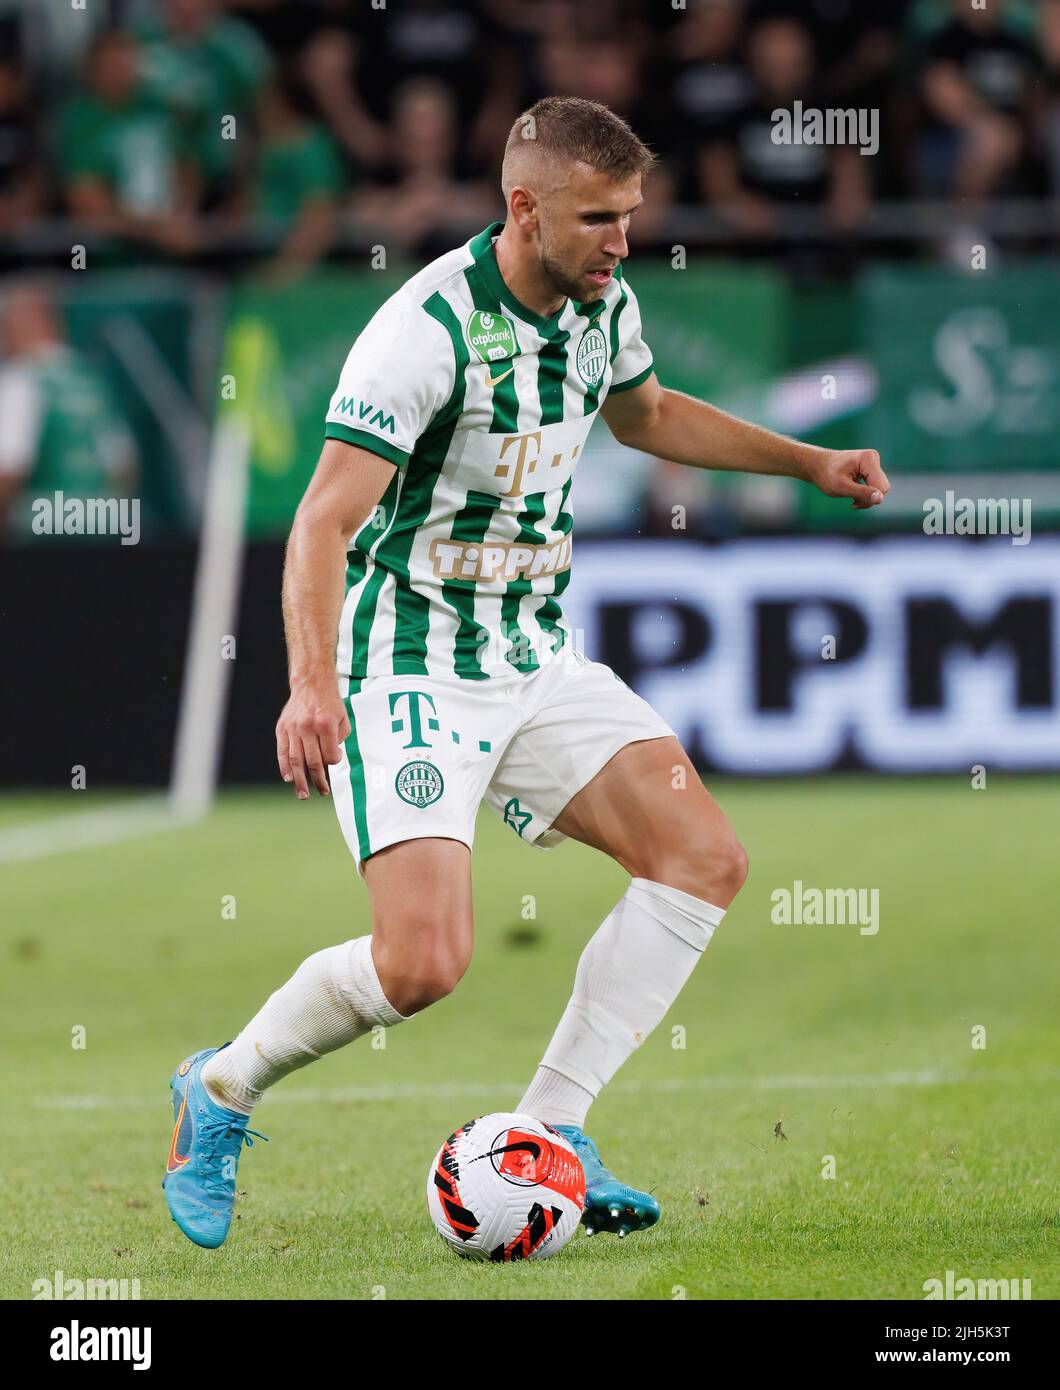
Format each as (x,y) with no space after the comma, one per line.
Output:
(484,407)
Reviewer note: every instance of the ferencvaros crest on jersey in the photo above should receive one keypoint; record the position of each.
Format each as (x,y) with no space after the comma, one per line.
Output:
(592,356)
(491,336)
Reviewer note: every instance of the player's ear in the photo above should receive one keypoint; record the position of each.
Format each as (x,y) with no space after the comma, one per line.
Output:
(522,206)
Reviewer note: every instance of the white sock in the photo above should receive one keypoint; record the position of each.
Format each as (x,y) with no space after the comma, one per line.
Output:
(331,999)
(556,1099)
(629,974)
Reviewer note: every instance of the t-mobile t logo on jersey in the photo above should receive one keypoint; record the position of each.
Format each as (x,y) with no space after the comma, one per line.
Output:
(527,457)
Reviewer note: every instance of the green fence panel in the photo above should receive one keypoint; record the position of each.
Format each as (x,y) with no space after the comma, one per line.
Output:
(713,332)
(283,352)
(969,366)
(137,330)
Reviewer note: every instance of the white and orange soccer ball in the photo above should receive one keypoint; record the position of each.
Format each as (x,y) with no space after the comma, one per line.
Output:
(506,1187)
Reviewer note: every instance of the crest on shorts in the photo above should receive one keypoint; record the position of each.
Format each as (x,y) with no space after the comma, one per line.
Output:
(419,783)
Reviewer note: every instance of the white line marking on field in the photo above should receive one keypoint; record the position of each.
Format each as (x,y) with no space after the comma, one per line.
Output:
(87,829)
(456,1090)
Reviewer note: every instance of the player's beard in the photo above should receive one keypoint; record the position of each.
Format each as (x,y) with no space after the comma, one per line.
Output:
(566,280)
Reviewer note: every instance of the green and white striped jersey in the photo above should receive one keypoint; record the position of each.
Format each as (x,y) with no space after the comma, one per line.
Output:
(485,407)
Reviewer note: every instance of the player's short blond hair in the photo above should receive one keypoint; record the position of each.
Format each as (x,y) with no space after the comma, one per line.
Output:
(558,131)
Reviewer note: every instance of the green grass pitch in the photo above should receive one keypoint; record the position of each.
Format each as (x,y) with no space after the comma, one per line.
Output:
(858,1047)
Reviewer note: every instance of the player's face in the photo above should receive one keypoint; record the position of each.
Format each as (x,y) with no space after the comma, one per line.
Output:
(583,231)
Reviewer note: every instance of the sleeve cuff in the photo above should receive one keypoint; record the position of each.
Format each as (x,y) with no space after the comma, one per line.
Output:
(637,380)
(364,440)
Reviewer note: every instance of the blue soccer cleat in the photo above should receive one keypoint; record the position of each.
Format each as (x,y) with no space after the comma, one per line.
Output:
(200,1181)
(609,1204)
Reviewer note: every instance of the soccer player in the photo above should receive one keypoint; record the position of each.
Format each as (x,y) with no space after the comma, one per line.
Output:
(427,563)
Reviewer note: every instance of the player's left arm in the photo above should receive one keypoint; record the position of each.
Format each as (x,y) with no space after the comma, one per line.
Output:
(674,426)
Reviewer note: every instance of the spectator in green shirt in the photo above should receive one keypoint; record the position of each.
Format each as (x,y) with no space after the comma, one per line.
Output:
(125,168)
(300,180)
(61,430)
(209,69)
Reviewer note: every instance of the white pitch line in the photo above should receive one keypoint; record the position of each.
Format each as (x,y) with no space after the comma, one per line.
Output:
(86,830)
(457,1090)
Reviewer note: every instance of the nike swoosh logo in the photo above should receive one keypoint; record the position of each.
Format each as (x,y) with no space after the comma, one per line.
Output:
(534,1150)
(496,380)
(177,1160)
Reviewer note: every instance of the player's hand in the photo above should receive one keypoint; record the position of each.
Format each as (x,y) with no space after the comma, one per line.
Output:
(309,733)
(852,473)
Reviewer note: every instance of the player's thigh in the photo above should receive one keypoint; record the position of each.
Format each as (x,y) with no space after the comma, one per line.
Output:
(422,929)
(418,757)
(594,762)
(577,714)
(406,792)
(648,809)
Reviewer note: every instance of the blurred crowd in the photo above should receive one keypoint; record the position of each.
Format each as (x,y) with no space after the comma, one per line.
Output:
(174,129)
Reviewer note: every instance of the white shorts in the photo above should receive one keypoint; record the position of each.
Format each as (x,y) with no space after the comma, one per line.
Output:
(424,751)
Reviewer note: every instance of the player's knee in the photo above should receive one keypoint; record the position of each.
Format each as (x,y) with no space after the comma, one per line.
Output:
(729,869)
(720,871)
(430,981)
(713,870)
(431,972)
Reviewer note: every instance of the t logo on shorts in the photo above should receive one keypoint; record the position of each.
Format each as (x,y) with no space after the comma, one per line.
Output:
(397,726)
(419,783)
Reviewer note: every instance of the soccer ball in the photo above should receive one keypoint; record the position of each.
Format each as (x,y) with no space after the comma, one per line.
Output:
(506,1187)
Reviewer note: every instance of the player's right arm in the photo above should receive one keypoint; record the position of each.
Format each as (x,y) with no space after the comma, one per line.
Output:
(348,483)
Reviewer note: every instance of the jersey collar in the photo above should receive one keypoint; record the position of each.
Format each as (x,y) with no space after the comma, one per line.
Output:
(485,255)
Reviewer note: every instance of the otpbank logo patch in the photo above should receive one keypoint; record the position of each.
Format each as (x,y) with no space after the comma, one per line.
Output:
(491,336)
